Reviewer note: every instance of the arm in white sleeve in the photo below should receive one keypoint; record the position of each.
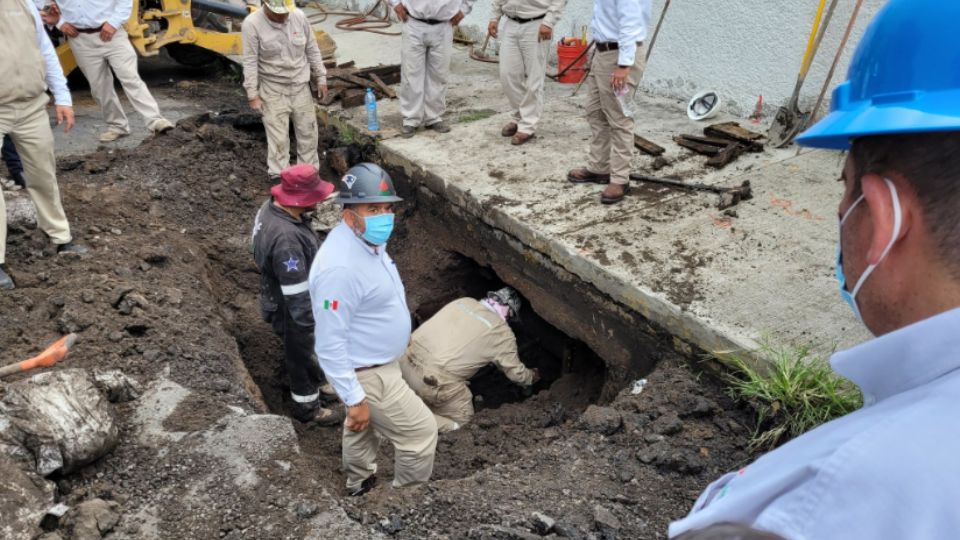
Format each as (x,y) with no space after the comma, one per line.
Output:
(631,23)
(334,293)
(554,12)
(55,79)
(314,55)
(250,58)
(122,10)
(496,9)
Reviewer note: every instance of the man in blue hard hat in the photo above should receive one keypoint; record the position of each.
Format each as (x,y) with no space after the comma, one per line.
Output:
(889,470)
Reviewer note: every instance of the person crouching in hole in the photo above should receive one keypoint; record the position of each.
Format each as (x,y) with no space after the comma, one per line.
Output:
(453,345)
(284,247)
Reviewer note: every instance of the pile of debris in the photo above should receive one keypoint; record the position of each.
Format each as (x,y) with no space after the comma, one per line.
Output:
(348,84)
(722,142)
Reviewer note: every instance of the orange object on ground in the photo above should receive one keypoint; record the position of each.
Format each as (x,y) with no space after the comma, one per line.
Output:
(53,354)
(574,56)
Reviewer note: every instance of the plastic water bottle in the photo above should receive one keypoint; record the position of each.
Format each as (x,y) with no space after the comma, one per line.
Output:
(625,98)
(373,124)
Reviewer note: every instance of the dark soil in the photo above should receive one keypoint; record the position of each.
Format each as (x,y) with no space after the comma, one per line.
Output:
(170,291)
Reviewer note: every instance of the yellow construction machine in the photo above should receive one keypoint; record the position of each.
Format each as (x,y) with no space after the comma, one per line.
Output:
(193,32)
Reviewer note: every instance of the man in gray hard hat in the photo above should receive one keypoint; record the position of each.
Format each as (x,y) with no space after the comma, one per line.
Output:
(363,327)
(453,345)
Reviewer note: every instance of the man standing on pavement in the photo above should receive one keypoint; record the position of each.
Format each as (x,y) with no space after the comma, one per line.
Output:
(363,327)
(888,470)
(284,246)
(619,28)
(425,51)
(94,30)
(527,36)
(28,66)
(453,345)
(280,58)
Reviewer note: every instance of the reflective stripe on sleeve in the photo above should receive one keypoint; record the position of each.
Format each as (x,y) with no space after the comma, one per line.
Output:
(296,288)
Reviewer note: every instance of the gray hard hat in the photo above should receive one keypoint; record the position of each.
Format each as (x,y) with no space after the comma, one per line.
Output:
(509,297)
(367,183)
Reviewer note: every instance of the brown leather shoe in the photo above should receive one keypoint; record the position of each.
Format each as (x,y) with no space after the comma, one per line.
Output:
(614,193)
(521,138)
(509,130)
(584,176)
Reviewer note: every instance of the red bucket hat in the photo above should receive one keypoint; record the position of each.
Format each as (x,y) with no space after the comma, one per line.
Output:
(300,186)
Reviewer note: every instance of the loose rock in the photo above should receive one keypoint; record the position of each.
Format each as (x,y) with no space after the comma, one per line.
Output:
(603,420)
(92,519)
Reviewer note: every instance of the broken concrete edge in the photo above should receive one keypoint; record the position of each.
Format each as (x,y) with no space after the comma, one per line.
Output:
(693,337)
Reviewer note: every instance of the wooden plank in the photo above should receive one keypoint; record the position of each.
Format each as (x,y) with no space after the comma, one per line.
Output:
(358,82)
(382,87)
(728,154)
(346,65)
(704,149)
(732,130)
(712,141)
(647,146)
(352,97)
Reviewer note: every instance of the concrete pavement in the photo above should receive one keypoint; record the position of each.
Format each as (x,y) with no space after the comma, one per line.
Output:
(717,281)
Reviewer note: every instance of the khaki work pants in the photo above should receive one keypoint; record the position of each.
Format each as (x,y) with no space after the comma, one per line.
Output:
(280,106)
(523,67)
(451,402)
(28,125)
(425,51)
(398,415)
(611,143)
(95,59)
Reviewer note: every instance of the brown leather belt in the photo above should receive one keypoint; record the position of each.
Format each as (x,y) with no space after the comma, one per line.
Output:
(521,20)
(604,46)
(90,30)
(359,369)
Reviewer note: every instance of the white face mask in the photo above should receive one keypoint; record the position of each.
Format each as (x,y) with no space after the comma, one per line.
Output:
(851,296)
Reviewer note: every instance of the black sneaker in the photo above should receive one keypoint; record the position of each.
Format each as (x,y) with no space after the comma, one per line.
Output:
(19,179)
(72,249)
(365,486)
(313,413)
(439,127)
(6,282)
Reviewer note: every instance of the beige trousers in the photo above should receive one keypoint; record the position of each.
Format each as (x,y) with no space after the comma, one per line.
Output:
(425,51)
(28,125)
(523,67)
(398,415)
(611,143)
(280,106)
(450,402)
(95,59)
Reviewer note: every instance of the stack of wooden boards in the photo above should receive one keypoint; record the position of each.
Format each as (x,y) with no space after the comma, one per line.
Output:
(723,143)
(348,84)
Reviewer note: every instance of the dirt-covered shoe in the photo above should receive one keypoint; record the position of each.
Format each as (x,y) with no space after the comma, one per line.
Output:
(313,413)
(365,486)
(6,282)
(614,193)
(111,135)
(72,249)
(161,125)
(584,175)
(326,390)
(521,138)
(509,130)
(8,184)
(407,131)
(439,127)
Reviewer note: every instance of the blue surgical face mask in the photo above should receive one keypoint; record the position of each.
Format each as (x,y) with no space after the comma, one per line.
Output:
(377,229)
(850,297)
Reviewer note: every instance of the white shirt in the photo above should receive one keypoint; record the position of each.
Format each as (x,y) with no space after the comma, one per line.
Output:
(623,21)
(93,13)
(360,309)
(889,471)
(439,10)
(56,82)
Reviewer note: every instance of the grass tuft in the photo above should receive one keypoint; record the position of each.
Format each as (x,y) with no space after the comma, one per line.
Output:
(792,390)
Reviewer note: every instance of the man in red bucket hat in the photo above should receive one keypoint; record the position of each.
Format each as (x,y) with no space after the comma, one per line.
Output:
(284,246)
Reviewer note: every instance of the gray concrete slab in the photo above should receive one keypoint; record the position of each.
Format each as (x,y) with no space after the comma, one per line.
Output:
(717,281)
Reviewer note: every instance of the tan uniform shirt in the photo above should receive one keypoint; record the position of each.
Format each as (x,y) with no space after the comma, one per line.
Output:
(528,9)
(441,10)
(462,338)
(280,55)
(23,67)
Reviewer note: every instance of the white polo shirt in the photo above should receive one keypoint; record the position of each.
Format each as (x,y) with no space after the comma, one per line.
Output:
(889,471)
(360,309)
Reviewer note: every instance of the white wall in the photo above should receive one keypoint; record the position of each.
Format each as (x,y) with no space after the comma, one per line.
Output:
(740,48)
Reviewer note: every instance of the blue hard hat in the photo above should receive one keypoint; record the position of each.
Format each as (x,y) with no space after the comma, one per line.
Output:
(904,77)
